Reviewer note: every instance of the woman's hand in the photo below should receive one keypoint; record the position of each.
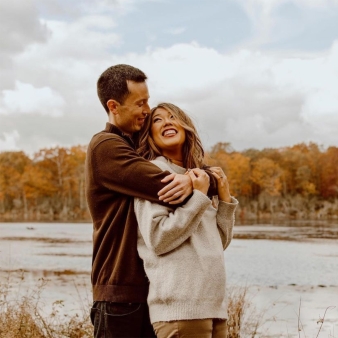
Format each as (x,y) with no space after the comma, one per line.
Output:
(222,184)
(200,179)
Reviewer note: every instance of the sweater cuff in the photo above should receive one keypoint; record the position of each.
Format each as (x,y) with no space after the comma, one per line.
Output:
(201,196)
(228,208)
(234,201)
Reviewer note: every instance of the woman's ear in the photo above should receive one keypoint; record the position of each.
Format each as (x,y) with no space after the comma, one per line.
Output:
(112,106)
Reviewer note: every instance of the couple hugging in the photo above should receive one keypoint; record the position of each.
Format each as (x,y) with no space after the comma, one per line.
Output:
(161,219)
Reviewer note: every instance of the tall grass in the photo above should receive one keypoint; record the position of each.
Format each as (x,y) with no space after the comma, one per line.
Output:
(243,318)
(23,314)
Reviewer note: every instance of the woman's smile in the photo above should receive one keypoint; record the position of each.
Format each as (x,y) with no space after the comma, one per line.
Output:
(166,130)
(169,132)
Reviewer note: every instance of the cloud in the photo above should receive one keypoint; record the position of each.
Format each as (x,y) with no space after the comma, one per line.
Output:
(8,141)
(27,99)
(34,131)
(270,26)
(20,26)
(176,31)
(249,97)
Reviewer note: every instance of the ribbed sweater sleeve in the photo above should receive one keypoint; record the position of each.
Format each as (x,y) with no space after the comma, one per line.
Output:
(225,219)
(163,229)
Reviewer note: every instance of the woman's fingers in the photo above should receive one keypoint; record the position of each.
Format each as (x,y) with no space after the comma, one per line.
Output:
(200,179)
(219,173)
(199,172)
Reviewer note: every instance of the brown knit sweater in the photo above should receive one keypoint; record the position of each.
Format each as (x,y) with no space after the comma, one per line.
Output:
(115,174)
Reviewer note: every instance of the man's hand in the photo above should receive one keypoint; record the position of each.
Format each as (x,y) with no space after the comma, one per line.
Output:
(177,190)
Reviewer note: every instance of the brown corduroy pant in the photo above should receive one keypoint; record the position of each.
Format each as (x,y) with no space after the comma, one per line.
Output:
(195,328)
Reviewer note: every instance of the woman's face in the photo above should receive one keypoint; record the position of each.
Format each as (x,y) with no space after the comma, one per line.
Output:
(167,132)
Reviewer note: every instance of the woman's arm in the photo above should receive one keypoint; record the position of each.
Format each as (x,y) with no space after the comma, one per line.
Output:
(226,207)
(225,219)
(162,228)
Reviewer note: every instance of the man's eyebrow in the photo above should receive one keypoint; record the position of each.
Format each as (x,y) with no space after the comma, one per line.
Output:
(141,100)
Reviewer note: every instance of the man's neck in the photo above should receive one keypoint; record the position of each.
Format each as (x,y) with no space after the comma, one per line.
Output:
(122,131)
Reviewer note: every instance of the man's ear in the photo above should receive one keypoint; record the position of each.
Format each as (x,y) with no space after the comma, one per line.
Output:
(112,106)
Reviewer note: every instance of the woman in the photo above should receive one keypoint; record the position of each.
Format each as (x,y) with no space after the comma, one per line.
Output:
(182,250)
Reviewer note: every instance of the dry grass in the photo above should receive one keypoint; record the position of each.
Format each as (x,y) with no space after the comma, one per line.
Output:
(21,316)
(243,320)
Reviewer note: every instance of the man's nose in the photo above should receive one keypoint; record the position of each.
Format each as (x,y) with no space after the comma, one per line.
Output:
(146,109)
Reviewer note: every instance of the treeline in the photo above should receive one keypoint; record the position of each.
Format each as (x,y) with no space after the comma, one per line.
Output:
(292,182)
(48,187)
(298,182)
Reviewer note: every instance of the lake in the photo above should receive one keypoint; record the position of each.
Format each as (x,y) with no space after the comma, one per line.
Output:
(302,265)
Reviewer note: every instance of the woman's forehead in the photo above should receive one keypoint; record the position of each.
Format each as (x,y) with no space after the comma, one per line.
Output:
(161,111)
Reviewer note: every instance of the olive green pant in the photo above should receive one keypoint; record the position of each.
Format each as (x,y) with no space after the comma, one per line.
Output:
(195,328)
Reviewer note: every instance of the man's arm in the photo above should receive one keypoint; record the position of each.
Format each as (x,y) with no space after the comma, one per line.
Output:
(119,168)
(168,193)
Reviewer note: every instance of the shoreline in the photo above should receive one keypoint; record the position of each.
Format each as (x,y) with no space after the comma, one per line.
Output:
(288,309)
(277,284)
(276,307)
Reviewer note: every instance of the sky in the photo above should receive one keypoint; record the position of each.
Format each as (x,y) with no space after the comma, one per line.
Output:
(252,73)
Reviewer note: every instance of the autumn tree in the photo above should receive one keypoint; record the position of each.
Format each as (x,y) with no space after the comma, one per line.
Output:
(12,169)
(267,175)
(329,173)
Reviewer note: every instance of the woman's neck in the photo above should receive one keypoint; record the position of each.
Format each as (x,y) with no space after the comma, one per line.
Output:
(174,157)
(177,162)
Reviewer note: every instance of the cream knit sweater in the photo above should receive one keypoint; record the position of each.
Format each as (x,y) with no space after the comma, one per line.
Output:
(182,251)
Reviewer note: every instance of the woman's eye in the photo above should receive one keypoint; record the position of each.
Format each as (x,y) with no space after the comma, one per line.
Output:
(156,119)
(172,117)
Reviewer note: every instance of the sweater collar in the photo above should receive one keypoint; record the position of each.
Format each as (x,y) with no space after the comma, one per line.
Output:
(111,128)
(175,167)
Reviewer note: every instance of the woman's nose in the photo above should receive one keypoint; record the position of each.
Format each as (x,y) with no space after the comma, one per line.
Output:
(168,123)
(168,120)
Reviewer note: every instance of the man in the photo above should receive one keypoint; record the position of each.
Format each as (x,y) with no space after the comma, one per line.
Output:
(115,174)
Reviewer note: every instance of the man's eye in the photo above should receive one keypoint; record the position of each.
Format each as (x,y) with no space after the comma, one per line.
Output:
(172,117)
(140,104)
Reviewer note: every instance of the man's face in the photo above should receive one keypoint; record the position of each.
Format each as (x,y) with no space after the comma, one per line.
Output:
(134,110)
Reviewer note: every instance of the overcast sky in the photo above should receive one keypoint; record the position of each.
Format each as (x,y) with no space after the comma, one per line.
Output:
(255,73)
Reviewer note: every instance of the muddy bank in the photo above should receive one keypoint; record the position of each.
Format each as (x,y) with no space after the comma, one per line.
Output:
(287,233)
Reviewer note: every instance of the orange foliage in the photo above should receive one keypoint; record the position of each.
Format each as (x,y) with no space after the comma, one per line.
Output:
(301,169)
(51,184)
(267,175)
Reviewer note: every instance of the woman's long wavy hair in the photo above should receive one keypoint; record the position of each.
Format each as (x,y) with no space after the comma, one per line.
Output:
(193,153)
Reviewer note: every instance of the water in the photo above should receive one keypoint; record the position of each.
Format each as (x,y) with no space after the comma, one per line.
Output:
(46,247)
(278,272)
(58,247)
(273,263)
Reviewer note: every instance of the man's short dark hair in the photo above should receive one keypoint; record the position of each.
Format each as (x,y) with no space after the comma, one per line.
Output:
(112,84)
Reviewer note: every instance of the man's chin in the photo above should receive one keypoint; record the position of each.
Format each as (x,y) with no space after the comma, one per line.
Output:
(140,127)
